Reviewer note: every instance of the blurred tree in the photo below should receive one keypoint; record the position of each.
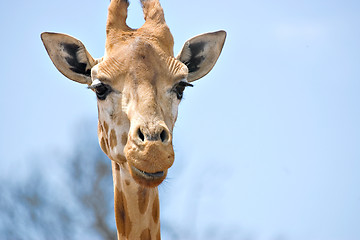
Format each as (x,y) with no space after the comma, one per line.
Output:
(27,212)
(78,204)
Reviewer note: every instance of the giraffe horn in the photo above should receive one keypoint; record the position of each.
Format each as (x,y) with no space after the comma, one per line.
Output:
(153,11)
(117,14)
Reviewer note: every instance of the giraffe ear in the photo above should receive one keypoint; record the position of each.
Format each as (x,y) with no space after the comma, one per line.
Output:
(69,56)
(200,53)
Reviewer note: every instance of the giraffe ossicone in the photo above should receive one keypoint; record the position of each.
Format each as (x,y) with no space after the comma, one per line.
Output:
(139,85)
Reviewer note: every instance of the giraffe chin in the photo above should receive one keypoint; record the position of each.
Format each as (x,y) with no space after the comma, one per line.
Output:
(147,179)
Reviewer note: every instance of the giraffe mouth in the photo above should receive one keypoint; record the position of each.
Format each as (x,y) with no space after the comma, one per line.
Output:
(146,178)
(146,175)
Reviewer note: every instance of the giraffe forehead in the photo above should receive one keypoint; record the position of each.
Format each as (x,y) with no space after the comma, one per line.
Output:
(140,60)
(134,53)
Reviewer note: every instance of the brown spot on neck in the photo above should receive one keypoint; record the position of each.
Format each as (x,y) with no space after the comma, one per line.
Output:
(123,223)
(145,235)
(143,199)
(156,209)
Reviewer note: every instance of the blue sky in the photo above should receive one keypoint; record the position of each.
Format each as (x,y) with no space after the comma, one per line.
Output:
(268,142)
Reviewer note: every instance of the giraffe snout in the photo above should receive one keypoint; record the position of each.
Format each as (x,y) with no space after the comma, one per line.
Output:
(157,134)
(149,153)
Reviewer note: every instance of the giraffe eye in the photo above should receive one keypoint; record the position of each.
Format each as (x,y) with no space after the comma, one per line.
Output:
(101,90)
(179,89)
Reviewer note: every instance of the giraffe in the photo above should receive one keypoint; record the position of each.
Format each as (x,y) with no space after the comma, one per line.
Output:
(139,85)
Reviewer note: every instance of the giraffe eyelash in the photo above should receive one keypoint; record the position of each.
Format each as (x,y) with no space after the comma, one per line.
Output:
(179,88)
(185,84)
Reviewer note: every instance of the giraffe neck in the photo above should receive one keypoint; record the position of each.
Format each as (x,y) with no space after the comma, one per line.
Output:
(137,210)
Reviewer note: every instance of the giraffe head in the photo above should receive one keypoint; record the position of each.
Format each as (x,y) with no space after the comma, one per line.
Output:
(139,85)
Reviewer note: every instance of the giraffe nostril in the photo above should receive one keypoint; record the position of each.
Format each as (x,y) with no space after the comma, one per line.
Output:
(164,136)
(140,135)
(161,134)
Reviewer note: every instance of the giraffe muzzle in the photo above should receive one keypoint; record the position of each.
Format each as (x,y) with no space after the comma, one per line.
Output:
(149,156)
